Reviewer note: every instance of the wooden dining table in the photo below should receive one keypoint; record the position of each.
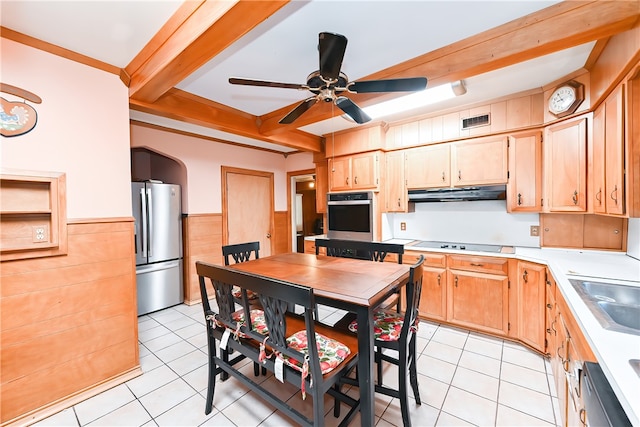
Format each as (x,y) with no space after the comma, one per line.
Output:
(345,283)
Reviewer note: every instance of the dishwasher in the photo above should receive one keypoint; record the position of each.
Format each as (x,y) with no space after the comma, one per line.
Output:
(601,404)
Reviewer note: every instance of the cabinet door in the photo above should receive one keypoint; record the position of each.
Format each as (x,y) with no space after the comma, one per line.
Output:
(478,301)
(340,174)
(597,190)
(364,170)
(479,162)
(433,299)
(524,189)
(559,361)
(614,152)
(322,176)
(565,166)
(395,192)
(428,167)
(531,304)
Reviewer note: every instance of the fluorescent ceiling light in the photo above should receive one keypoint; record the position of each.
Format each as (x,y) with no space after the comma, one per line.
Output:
(416,100)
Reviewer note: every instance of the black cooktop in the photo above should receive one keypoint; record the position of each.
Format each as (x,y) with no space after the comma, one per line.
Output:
(459,246)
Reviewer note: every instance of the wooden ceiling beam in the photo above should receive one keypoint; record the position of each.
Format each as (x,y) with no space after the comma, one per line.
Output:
(558,27)
(186,107)
(196,33)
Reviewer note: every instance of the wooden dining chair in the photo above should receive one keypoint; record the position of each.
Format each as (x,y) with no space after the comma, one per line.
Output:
(281,342)
(398,332)
(372,251)
(242,252)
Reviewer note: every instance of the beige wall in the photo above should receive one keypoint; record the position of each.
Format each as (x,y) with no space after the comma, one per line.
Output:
(82,129)
(203,160)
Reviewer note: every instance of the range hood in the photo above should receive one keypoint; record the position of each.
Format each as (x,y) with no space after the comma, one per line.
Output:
(490,192)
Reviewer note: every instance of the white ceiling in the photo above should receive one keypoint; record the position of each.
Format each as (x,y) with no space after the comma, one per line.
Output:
(283,48)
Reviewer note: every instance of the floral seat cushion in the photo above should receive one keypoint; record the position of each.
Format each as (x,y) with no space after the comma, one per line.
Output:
(330,352)
(257,321)
(237,293)
(387,325)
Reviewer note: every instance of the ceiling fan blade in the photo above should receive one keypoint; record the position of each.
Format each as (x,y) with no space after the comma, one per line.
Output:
(332,48)
(249,82)
(297,112)
(352,110)
(390,85)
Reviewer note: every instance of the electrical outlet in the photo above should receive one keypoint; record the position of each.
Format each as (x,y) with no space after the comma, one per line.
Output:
(534,230)
(40,234)
(403,226)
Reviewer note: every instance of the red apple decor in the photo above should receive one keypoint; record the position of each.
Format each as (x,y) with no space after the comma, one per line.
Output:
(16,118)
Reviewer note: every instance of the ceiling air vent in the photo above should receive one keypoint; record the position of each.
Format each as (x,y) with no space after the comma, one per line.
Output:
(472,122)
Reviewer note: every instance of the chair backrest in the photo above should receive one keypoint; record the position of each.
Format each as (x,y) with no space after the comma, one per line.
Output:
(276,298)
(373,251)
(413,291)
(240,252)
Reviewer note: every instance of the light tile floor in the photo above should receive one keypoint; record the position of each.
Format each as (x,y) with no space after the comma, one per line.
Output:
(465,378)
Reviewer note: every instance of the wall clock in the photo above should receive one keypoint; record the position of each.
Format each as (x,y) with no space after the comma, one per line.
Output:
(566,98)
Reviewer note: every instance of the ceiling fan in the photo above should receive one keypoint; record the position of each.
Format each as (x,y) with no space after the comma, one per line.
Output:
(329,83)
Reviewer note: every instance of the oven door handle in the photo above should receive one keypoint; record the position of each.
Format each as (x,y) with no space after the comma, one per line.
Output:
(349,202)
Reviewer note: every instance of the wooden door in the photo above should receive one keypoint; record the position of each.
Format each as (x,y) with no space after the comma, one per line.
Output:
(248,207)
(428,167)
(364,170)
(478,301)
(614,152)
(479,161)
(524,189)
(565,166)
(395,191)
(433,302)
(598,161)
(340,173)
(531,304)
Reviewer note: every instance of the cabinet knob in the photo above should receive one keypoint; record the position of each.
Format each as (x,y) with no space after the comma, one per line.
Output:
(355,180)
(459,175)
(599,196)
(525,276)
(443,176)
(519,199)
(347,181)
(439,279)
(455,281)
(398,201)
(575,197)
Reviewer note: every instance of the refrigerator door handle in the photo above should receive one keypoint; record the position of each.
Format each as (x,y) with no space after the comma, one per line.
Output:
(150,225)
(143,205)
(150,268)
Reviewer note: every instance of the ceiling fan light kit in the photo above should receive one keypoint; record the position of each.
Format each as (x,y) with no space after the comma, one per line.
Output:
(329,83)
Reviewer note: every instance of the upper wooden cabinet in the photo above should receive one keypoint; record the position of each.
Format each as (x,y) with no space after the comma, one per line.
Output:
(428,167)
(481,161)
(354,141)
(565,166)
(524,189)
(322,175)
(395,189)
(356,172)
(607,190)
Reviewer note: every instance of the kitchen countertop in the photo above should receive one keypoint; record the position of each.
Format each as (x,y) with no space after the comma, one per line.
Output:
(612,349)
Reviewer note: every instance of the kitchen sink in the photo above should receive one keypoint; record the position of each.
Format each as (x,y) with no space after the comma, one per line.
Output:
(617,307)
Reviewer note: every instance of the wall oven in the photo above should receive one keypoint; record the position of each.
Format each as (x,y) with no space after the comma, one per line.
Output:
(350,216)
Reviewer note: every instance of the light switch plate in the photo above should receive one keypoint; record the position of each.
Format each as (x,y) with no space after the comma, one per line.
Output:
(534,230)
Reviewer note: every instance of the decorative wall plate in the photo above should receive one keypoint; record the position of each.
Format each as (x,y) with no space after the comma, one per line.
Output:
(16,118)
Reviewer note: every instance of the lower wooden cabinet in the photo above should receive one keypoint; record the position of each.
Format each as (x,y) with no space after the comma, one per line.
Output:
(475,298)
(310,248)
(530,299)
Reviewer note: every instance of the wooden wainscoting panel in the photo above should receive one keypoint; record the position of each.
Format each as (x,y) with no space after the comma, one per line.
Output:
(282,243)
(68,323)
(202,242)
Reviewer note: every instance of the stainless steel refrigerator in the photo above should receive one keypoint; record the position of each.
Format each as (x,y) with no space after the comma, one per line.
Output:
(158,240)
